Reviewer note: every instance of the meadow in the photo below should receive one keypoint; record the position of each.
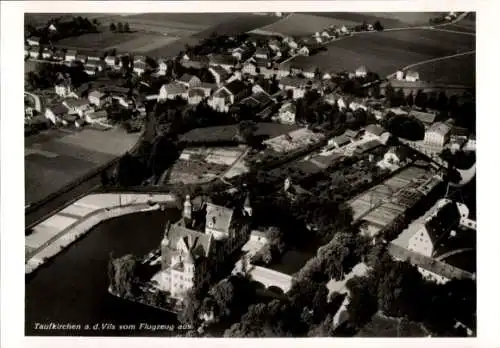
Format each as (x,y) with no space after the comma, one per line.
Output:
(386,52)
(457,70)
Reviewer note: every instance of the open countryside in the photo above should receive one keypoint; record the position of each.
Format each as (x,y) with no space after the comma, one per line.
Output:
(386,52)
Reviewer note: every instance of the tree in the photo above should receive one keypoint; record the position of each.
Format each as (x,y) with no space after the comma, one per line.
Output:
(112,27)
(191,306)
(224,295)
(124,275)
(246,130)
(120,27)
(389,92)
(410,100)
(126,28)
(421,99)
(378,26)
(363,301)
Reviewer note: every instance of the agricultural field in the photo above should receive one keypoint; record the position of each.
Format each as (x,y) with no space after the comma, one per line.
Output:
(231,24)
(55,158)
(227,133)
(387,19)
(299,24)
(386,52)
(466,25)
(457,70)
(98,41)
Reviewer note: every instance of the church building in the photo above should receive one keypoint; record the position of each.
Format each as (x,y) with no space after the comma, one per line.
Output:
(196,245)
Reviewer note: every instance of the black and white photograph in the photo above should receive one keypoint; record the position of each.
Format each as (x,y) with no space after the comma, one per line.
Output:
(223,174)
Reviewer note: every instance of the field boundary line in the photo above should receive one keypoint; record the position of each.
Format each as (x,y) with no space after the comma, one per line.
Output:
(432,60)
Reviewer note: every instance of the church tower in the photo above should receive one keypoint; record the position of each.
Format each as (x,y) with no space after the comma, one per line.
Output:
(188,208)
(247,206)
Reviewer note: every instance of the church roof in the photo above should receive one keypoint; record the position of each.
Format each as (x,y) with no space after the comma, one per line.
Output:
(197,243)
(218,217)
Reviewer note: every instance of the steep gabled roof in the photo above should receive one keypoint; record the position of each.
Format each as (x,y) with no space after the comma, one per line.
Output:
(236,87)
(193,240)
(187,78)
(218,218)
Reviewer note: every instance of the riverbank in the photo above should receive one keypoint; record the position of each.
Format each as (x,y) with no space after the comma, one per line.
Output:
(56,233)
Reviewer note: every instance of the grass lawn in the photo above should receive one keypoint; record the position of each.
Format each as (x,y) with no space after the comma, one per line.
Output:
(458,70)
(386,52)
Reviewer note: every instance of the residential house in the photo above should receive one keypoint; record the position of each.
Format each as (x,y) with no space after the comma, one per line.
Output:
(470,145)
(79,122)
(33,41)
(227,62)
(219,73)
(111,61)
(189,81)
(63,88)
(196,95)
(139,67)
(259,100)
(243,52)
(325,35)
(374,130)
(290,42)
(298,85)
(261,53)
(437,136)
(55,113)
(427,118)
(77,106)
(93,57)
(195,62)
(339,141)
(172,91)
(208,88)
(229,94)
(188,251)
(303,51)
(286,114)
(34,52)
(139,59)
(59,55)
(99,117)
(81,58)
(394,157)
(274,45)
(70,56)
(355,105)
(98,98)
(47,53)
(412,75)
(361,71)
(162,67)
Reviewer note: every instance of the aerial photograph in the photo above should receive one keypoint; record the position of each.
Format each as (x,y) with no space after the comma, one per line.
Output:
(250,174)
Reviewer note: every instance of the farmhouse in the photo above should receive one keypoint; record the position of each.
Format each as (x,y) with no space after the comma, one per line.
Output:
(172,91)
(196,95)
(225,61)
(63,88)
(33,41)
(427,118)
(76,106)
(56,113)
(361,71)
(99,117)
(98,98)
(34,52)
(413,87)
(47,53)
(286,114)
(70,56)
(140,67)
(298,85)
(219,73)
(189,81)
(111,61)
(229,94)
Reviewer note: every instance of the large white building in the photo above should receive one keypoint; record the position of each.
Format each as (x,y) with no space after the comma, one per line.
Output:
(196,245)
(437,135)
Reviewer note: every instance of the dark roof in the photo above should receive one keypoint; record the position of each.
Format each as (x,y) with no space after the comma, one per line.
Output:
(175,88)
(236,86)
(375,129)
(197,92)
(192,239)
(441,224)
(220,70)
(59,109)
(186,78)
(369,145)
(223,59)
(425,117)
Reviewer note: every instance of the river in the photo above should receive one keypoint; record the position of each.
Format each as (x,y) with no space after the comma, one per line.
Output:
(72,288)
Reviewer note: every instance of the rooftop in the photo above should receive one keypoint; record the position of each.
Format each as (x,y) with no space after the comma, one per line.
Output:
(218,217)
